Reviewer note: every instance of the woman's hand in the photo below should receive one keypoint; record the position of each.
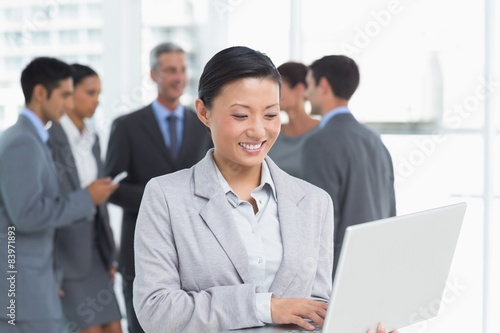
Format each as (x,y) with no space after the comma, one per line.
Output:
(381,329)
(296,310)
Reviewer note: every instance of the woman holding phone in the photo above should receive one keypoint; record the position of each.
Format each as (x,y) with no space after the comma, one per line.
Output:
(85,251)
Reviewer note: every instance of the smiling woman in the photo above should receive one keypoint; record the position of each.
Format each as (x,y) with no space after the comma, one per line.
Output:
(243,117)
(234,241)
(244,122)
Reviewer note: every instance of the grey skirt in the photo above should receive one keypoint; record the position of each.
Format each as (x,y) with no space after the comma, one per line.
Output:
(91,300)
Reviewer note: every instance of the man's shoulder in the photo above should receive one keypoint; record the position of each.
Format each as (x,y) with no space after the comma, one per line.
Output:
(319,136)
(178,179)
(134,115)
(16,132)
(17,137)
(346,126)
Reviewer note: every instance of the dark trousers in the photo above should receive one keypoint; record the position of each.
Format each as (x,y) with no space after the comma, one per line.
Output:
(133,323)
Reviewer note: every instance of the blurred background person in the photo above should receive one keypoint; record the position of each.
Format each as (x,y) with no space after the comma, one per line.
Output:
(31,204)
(163,137)
(287,150)
(344,157)
(85,252)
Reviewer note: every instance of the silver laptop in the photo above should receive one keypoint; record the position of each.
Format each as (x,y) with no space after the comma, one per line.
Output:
(388,271)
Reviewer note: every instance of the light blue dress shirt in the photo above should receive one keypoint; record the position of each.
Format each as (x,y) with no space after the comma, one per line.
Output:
(332,113)
(161,115)
(260,234)
(37,123)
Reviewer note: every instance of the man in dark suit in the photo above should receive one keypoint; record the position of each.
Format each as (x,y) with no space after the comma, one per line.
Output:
(344,157)
(31,205)
(160,138)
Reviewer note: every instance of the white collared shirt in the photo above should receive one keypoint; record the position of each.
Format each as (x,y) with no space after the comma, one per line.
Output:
(260,234)
(81,145)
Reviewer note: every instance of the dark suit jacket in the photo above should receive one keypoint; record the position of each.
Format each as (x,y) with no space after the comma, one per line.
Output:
(352,164)
(136,145)
(31,203)
(74,244)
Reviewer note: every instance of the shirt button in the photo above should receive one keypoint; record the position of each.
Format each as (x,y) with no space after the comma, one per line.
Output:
(260,201)
(259,259)
(253,231)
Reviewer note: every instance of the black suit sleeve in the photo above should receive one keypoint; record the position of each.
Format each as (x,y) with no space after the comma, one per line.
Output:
(118,159)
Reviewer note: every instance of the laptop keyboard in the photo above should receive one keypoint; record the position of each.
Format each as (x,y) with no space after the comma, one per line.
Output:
(317,329)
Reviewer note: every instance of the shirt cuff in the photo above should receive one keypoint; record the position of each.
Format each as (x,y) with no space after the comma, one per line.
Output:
(263,305)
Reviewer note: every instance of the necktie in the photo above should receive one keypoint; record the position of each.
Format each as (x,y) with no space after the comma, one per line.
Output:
(172,129)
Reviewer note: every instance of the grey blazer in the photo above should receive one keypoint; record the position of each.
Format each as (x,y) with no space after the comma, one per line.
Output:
(192,267)
(74,243)
(352,164)
(30,202)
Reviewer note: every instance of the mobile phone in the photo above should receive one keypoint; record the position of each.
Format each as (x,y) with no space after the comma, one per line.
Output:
(119,177)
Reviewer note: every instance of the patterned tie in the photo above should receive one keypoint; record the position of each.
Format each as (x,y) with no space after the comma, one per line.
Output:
(172,129)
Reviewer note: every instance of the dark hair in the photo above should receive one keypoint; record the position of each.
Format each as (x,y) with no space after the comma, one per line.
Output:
(293,73)
(232,64)
(158,50)
(45,71)
(81,72)
(341,72)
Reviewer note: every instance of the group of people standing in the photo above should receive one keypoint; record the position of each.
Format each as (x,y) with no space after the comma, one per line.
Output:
(215,234)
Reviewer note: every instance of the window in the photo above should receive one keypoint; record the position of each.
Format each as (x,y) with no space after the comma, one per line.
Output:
(69,11)
(12,39)
(13,14)
(94,10)
(95,62)
(41,38)
(69,37)
(95,36)
(13,63)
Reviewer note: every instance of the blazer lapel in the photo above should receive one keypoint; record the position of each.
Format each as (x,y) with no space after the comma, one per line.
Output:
(63,157)
(96,151)
(292,221)
(217,215)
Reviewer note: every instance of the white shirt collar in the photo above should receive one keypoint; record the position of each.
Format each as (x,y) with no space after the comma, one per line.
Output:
(265,178)
(73,133)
